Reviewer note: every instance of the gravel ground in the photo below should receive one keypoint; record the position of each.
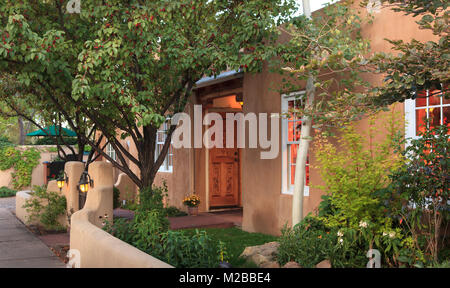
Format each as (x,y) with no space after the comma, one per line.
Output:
(8,203)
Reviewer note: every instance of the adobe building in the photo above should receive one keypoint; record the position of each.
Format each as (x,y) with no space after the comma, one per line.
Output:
(230,178)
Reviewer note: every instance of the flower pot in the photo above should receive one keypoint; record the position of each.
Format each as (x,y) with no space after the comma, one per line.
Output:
(193,211)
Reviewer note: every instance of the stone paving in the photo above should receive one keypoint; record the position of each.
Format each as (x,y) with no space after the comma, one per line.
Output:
(8,203)
(19,248)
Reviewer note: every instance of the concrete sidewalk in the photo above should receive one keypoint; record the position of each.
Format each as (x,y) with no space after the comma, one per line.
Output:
(19,248)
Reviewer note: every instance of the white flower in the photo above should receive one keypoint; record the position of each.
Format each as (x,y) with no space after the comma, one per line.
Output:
(391,234)
(363,224)
(385,234)
(341,241)
(374,6)
(340,234)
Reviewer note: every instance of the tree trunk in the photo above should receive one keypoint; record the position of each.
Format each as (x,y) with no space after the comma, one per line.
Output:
(147,150)
(21,131)
(302,156)
(302,153)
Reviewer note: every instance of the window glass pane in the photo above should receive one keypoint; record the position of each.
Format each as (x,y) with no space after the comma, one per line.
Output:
(421,115)
(298,128)
(421,100)
(290,131)
(435,97)
(293,154)
(446,118)
(307,175)
(435,117)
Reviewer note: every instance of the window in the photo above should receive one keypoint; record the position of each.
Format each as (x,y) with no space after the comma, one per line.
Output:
(290,138)
(161,137)
(430,105)
(111,152)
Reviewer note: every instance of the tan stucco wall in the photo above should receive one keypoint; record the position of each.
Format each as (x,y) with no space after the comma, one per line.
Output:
(38,175)
(266,210)
(97,248)
(23,196)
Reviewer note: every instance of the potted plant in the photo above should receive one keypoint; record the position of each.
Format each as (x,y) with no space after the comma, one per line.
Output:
(192,202)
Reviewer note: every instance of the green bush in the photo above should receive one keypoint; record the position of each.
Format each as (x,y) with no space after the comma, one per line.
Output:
(418,196)
(152,200)
(174,212)
(311,241)
(116,198)
(4,142)
(46,207)
(149,234)
(52,141)
(354,170)
(352,175)
(22,162)
(6,192)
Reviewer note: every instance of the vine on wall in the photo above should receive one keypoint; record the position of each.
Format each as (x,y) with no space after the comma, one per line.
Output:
(23,163)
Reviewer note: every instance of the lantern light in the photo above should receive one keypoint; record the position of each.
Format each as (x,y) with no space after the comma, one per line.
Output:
(62,180)
(85,182)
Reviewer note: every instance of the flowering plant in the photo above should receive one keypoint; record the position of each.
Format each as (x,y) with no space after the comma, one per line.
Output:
(192,201)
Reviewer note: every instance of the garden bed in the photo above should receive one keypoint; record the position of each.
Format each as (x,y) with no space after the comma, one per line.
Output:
(236,241)
(5,192)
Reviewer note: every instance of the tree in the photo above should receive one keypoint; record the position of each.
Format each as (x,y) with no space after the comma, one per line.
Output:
(327,51)
(419,65)
(128,65)
(28,100)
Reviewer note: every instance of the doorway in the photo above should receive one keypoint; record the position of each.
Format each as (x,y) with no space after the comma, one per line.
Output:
(224,173)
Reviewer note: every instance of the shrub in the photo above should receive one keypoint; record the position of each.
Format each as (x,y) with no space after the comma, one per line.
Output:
(418,196)
(149,234)
(23,163)
(46,207)
(311,242)
(151,200)
(352,176)
(194,251)
(52,141)
(174,212)
(6,192)
(4,142)
(302,244)
(116,198)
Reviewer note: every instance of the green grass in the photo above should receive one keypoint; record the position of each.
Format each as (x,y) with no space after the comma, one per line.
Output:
(236,240)
(6,192)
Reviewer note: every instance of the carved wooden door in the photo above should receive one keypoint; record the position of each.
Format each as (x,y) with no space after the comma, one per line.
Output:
(224,174)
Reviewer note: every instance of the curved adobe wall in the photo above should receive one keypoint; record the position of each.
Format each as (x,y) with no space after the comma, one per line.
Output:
(97,248)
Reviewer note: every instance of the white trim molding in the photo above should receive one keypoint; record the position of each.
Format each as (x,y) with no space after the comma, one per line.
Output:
(285,187)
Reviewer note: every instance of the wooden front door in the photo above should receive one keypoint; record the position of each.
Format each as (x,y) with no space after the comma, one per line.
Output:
(224,175)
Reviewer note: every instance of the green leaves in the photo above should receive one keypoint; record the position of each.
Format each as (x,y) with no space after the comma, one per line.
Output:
(329,48)
(22,162)
(419,65)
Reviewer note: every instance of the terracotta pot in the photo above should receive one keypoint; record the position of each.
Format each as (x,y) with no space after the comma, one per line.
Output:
(193,211)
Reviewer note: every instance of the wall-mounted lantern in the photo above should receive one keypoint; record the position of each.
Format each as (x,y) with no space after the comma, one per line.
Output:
(85,182)
(62,180)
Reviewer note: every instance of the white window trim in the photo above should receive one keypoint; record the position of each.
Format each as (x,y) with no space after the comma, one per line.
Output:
(410,126)
(110,152)
(285,187)
(165,168)
(410,117)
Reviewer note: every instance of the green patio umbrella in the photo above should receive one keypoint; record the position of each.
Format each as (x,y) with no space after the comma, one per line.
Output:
(53,131)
